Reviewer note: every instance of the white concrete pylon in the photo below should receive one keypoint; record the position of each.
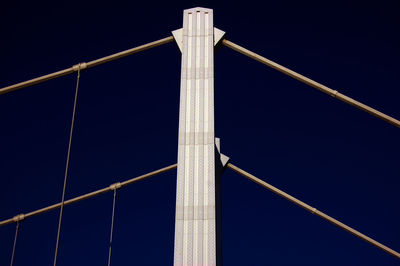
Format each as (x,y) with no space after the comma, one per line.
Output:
(195,222)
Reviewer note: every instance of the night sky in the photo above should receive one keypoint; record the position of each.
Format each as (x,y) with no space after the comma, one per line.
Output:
(331,155)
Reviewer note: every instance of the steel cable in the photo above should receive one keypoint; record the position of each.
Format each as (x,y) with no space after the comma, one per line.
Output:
(112,228)
(314,210)
(312,83)
(88,195)
(15,243)
(67,164)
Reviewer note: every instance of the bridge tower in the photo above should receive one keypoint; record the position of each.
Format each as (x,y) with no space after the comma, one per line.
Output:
(196,215)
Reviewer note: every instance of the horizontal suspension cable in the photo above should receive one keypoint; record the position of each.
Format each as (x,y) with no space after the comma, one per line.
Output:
(85,65)
(314,210)
(88,195)
(312,83)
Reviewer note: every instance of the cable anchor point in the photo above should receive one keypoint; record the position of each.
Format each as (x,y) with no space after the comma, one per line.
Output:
(79,66)
(19,217)
(115,186)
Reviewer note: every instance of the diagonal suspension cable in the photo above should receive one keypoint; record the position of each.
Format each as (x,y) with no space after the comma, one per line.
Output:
(88,195)
(313,210)
(82,66)
(312,83)
(67,163)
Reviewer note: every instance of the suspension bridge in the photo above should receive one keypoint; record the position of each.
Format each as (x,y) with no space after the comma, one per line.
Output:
(200,161)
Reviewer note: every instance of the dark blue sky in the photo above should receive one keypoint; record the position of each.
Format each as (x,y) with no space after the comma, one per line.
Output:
(334,157)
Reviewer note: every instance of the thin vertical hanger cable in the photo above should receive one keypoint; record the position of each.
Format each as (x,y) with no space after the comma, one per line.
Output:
(114,187)
(67,164)
(15,243)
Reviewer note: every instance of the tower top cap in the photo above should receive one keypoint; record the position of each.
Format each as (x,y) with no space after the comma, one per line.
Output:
(198,9)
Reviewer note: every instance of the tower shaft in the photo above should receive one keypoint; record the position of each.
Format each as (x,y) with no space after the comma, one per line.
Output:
(195,225)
